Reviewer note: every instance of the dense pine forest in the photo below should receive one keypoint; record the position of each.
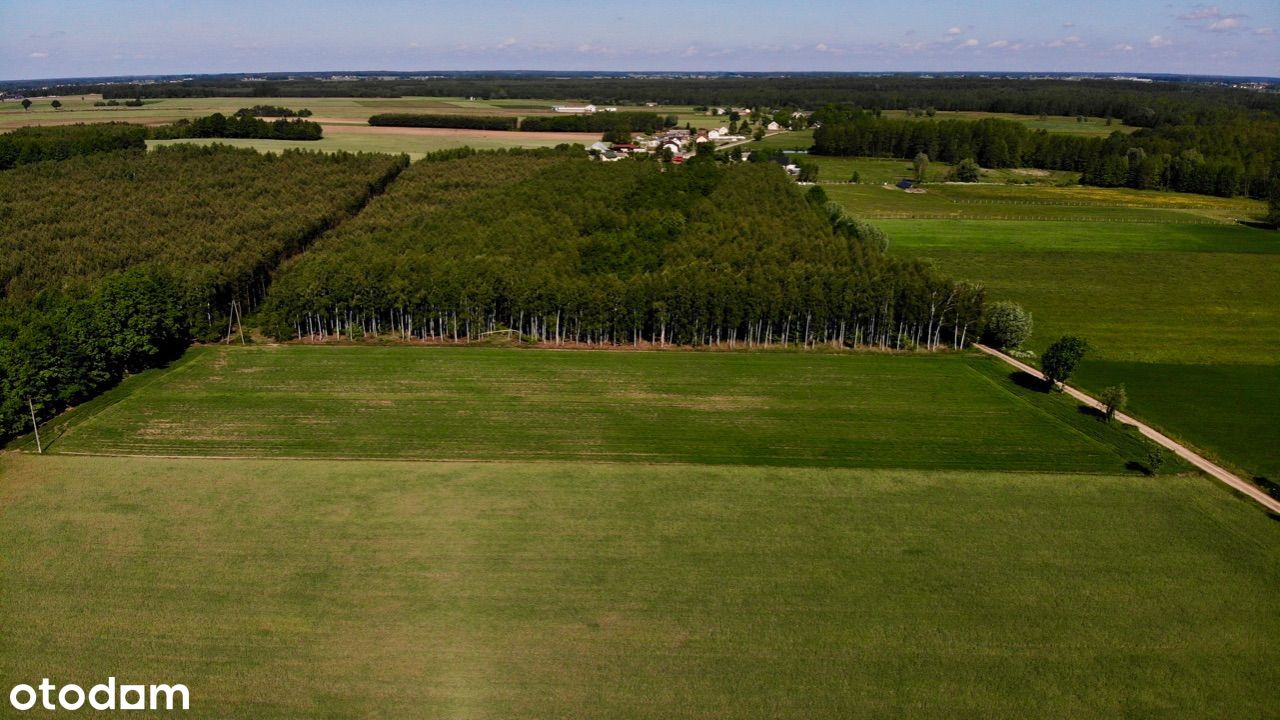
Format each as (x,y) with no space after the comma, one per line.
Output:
(1238,155)
(563,250)
(114,261)
(59,142)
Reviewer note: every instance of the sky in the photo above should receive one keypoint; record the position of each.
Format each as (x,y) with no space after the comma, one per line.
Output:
(70,38)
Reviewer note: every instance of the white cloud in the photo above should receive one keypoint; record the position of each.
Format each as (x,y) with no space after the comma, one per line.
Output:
(1064,42)
(1159,41)
(1068,25)
(1223,25)
(998,44)
(38,55)
(954,31)
(971,42)
(506,43)
(690,51)
(1264,31)
(1201,12)
(1123,47)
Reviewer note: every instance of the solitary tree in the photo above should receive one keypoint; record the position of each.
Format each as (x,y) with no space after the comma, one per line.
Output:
(921,165)
(26,103)
(57,104)
(1113,399)
(1155,458)
(1008,325)
(758,134)
(856,177)
(967,171)
(1061,359)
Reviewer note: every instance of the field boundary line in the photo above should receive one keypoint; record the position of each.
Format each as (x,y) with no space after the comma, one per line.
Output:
(1210,468)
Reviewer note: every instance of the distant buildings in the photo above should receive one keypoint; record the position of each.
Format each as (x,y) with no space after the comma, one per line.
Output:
(582,109)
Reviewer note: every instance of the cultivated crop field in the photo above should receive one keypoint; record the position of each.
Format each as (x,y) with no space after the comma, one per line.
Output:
(864,410)
(511,590)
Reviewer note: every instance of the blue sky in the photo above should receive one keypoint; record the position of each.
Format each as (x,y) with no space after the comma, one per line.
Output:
(59,38)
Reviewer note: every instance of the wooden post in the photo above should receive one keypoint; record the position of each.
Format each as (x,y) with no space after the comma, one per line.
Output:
(34,425)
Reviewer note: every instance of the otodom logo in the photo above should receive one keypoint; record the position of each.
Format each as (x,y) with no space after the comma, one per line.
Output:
(104,696)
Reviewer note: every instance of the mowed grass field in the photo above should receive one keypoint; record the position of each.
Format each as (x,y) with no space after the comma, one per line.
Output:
(782,408)
(287,589)
(1180,303)
(1064,124)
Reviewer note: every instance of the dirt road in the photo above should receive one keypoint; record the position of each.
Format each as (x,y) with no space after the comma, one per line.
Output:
(1230,479)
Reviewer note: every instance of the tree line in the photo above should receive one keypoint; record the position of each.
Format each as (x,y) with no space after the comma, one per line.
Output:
(273,111)
(560,250)
(472,122)
(112,262)
(218,125)
(1143,104)
(1232,157)
(597,122)
(59,142)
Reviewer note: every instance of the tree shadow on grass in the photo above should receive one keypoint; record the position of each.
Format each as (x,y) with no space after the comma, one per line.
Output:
(1092,412)
(1027,381)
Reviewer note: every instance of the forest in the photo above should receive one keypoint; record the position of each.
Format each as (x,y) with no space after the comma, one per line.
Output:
(562,250)
(1135,103)
(59,142)
(1239,155)
(218,125)
(111,262)
(597,122)
(473,122)
(645,122)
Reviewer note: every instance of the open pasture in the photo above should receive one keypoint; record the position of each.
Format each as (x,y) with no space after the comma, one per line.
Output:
(878,170)
(1067,125)
(858,410)
(1186,316)
(511,590)
(1075,204)
(413,144)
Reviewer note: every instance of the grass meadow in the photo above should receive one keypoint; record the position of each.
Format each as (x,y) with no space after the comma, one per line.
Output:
(953,411)
(415,146)
(513,590)
(1180,302)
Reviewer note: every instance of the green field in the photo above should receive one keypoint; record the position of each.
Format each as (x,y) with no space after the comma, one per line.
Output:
(1067,125)
(877,171)
(415,146)
(407,590)
(1075,204)
(328,109)
(1187,316)
(781,408)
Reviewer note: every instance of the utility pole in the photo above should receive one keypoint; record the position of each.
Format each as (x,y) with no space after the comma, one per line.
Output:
(34,425)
